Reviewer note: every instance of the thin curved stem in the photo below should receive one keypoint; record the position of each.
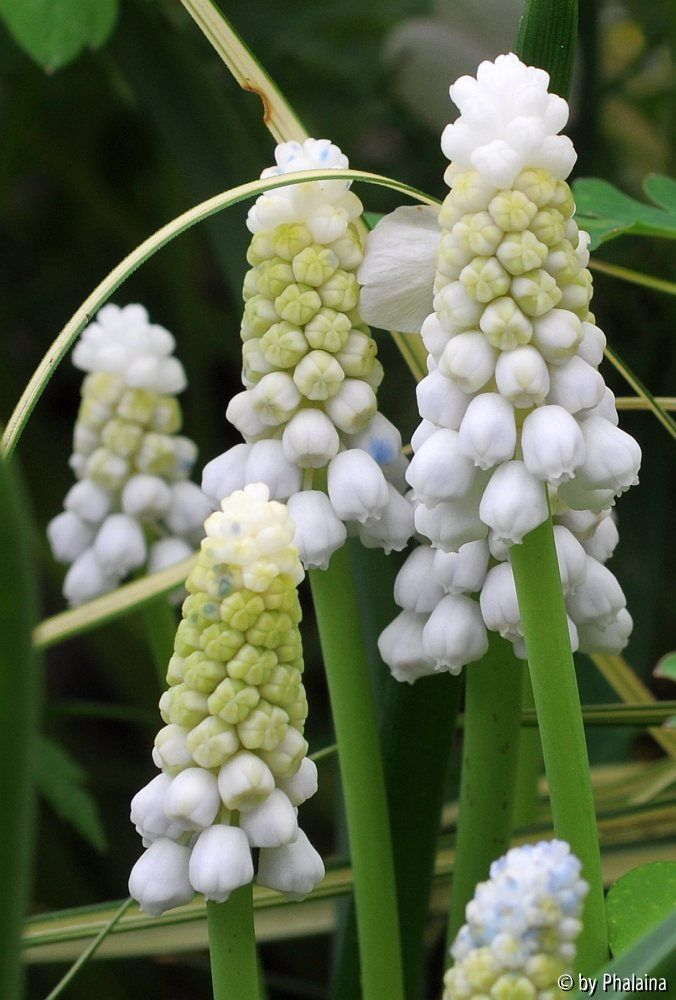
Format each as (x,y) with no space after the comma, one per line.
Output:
(552,672)
(354,718)
(633,277)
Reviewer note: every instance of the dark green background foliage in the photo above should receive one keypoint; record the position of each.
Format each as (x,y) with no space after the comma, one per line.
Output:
(102,152)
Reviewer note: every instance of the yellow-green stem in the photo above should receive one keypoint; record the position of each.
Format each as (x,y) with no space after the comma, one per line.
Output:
(552,672)
(354,719)
(232,947)
(489,757)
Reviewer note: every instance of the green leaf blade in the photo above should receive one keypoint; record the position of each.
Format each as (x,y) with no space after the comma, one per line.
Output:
(54,32)
(637,903)
(60,781)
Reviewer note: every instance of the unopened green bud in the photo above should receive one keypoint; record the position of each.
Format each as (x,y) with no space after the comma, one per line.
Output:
(341,291)
(328,330)
(512,211)
(202,674)
(485,279)
(504,325)
(104,386)
(315,265)
(273,277)
(290,239)
(201,610)
(259,315)
(233,701)
(212,742)
(254,360)
(220,642)
(471,193)
(283,687)
(93,414)
(537,184)
(175,671)
(261,248)
(548,226)
(521,252)
(563,200)
(241,609)
(187,639)
(318,375)
(375,374)
(563,262)
(252,665)
(536,292)
(264,728)
(138,405)
(511,987)
(166,417)
(187,707)
(577,294)
(122,437)
(250,284)
(281,595)
(348,248)
(156,454)
(286,757)
(283,345)
(269,629)
(107,469)
(477,234)
(298,303)
(357,356)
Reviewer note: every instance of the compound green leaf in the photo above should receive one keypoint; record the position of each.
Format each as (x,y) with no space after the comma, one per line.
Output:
(54,32)
(606,212)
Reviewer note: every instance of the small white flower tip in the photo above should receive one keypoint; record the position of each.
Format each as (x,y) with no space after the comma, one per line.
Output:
(392,529)
(272,823)
(613,457)
(463,571)
(319,532)
(225,474)
(146,497)
(441,401)
(380,439)
(87,579)
(439,470)
(499,604)
(159,879)
(89,501)
(166,552)
(552,444)
(357,487)
(220,862)
(513,503)
(397,272)
(302,785)
(294,869)
(69,536)
(244,781)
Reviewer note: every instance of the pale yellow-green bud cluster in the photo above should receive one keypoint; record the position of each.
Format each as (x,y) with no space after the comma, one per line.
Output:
(235,679)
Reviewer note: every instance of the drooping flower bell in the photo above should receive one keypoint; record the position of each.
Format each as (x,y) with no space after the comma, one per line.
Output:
(133,503)
(310,370)
(232,756)
(514,406)
(521,927)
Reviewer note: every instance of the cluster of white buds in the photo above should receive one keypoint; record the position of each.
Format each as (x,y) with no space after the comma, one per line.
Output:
(133,503)
(232,753)
(309,410)
(521,927)
(513,406)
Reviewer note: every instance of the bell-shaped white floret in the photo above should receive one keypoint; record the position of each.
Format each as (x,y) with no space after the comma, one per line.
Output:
(268,464)
(272,823)
(598,599)
(571,558)
(439,470)
(469,360)
(148,813)
(192,798)
(310,439)
(392,529)
(302,785)
(415,587)
(220,862)
(592,345)
(225,474)
(575,385)
(401,647)
(380,439)
(487,433)
(513,503)
(89,501)
(294,869)
(159,879)
(601,544)
(245,781)
(522,376)
(499,603)
(450,524)
(455,633)
(171,750)
(356,485)
(241,413)
(613,457)
(69,536)
(464,571)
(146,497)
(552,444)
(188,510)
(87,578)
(167,551)
(120,545)
(319,532)
(441,400)
(557,335)
(353,405)
(610,638)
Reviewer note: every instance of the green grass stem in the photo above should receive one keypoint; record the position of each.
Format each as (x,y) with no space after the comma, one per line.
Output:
(232,947)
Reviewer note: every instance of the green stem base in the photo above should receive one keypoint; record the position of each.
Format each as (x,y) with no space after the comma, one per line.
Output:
(232,946)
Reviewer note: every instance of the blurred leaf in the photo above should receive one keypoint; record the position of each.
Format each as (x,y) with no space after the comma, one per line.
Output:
(54,32)
(606,212)
(653,955)
(666,667)
(60,781)
(638,901)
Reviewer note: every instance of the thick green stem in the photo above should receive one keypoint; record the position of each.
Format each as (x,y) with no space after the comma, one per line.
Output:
(354,719)
(232,945)
(489,757)
(552,672)
(159,621)
(546,38)
(529,765)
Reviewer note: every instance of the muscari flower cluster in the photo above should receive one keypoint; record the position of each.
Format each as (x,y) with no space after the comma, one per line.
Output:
(521,927)
(232,754)
(513,401)
(310,371)
(133,501)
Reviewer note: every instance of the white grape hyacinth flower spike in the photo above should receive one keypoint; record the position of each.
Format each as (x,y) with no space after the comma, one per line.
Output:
(232,756)
(516,418)
(308,409)
(133,505)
